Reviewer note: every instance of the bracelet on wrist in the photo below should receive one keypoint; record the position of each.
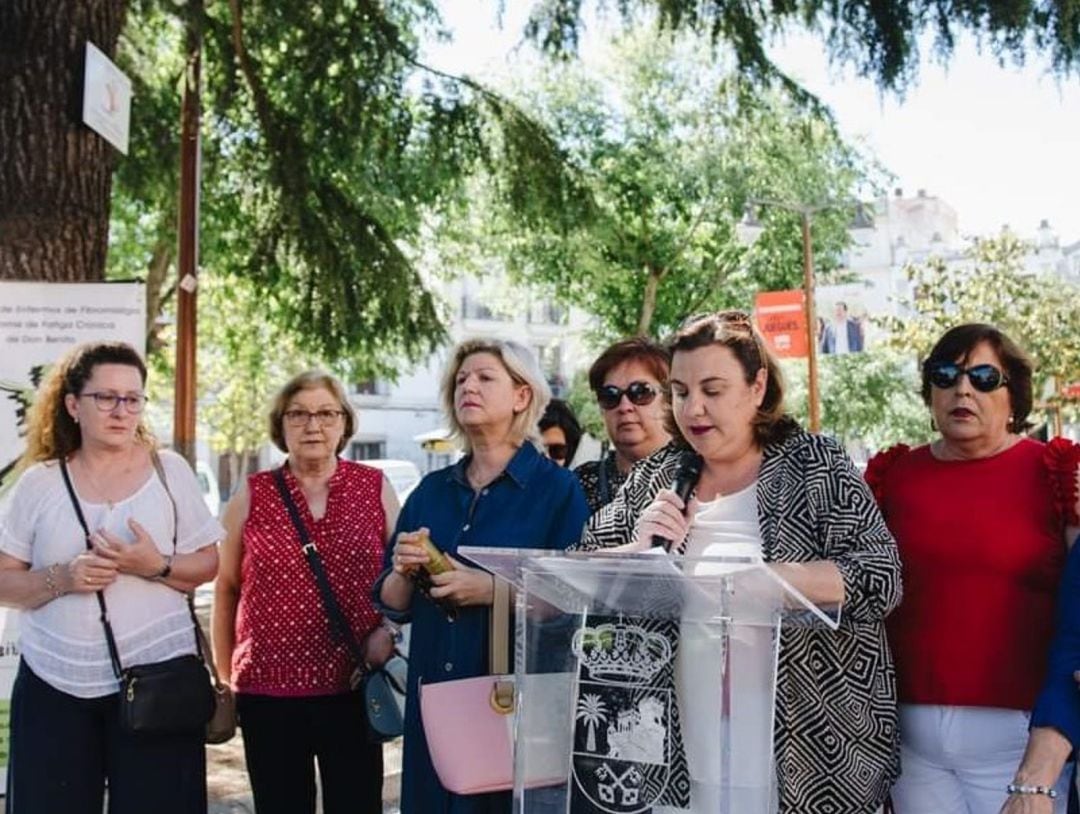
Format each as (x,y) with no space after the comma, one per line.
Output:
(1021,788)
(52,581)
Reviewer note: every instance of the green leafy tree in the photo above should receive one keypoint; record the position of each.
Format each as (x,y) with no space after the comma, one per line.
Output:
(670,147)
(872,397)
(880,40)
(1041,312)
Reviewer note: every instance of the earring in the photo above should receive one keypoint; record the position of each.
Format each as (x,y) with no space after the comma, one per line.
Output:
(76,419)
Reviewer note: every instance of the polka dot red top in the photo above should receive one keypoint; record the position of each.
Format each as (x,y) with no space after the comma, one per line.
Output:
(285,644)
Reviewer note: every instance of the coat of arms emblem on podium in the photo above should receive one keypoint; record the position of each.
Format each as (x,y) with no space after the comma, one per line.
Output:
(622,755)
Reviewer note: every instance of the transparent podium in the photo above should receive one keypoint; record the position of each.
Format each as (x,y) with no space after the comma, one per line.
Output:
(645,682)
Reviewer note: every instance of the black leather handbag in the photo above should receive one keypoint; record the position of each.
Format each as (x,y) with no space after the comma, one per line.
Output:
(164,697)
(168,697)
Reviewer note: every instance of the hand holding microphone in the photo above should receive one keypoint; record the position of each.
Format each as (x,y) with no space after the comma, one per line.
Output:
(666,521)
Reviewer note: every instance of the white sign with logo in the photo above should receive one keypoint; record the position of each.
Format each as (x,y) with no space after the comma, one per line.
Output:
(39,322)
(106,98)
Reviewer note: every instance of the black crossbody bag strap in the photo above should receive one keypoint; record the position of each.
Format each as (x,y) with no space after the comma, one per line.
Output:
(333,610)
(110,639)
(114,654)
(202,647)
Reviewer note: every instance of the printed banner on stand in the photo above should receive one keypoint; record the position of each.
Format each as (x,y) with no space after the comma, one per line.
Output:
(39,322)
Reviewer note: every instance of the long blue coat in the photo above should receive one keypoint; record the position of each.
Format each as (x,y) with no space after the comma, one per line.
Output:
(533,504)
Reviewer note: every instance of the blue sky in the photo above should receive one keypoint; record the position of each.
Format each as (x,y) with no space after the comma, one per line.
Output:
(1001,145)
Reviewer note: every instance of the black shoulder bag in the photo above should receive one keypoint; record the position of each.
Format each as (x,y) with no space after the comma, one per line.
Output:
(165,697)
(382,690)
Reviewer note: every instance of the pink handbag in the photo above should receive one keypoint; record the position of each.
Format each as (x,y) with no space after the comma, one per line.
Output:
(468,723)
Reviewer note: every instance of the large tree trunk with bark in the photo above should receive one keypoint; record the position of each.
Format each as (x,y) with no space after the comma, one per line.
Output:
(55,173)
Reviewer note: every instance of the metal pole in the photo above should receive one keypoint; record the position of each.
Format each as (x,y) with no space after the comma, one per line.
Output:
(188,252)
(811,325)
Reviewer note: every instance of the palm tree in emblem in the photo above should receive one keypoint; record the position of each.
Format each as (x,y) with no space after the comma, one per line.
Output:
(591,710)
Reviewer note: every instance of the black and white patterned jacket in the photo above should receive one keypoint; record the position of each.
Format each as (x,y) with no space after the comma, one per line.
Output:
(836,738)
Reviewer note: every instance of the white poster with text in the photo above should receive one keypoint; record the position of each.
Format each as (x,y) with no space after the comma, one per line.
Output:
(39,322)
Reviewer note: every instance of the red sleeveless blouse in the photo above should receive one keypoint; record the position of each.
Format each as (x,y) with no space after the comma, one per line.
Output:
(285,644)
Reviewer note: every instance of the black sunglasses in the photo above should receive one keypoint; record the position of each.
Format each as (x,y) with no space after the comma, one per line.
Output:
(639,393)
(984,378)
(557,452)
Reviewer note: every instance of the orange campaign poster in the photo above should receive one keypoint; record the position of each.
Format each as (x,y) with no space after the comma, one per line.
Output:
(782,321)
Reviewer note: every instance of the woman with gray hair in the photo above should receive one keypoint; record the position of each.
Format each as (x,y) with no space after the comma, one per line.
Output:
(504,493)
(274,637)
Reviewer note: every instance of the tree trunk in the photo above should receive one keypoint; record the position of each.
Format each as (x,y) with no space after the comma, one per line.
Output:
(55,172)
(648,300)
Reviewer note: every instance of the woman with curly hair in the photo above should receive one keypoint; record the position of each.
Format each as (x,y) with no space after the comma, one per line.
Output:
(152,540)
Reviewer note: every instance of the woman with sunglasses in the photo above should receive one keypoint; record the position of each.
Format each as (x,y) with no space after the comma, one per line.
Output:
(981,517)
(560,432)
(627,379)
(768,489)
(151,541)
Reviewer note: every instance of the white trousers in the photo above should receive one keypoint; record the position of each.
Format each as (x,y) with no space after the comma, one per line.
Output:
(958,760)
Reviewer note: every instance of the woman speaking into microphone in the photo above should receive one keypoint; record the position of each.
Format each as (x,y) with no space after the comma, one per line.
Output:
(766,487)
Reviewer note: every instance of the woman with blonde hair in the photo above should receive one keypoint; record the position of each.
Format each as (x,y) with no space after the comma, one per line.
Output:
(151,541)
(502,493)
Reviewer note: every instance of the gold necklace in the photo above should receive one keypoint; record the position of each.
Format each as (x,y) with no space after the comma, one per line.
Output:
(102,495)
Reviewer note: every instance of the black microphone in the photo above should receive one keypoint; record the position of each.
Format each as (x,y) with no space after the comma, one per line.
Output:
(686,478)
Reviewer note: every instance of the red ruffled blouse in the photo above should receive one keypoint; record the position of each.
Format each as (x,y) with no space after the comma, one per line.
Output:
(982,545)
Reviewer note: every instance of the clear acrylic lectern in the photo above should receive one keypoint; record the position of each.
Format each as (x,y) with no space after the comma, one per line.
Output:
(645,682)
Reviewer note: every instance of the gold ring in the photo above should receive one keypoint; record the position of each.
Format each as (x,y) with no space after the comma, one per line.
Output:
(88,581)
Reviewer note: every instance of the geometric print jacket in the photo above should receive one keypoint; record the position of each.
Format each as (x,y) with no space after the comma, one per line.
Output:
(836,738)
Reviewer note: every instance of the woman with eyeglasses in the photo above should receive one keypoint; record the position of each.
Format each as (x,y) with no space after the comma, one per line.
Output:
(768,489)
(627,379)
(503,493)
(287,660)
(981,516)
(560,432)
(151,540)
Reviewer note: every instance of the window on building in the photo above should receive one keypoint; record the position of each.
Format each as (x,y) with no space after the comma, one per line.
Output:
(472,307)
(367,450)
(546,312)
(550,360)
(372,387)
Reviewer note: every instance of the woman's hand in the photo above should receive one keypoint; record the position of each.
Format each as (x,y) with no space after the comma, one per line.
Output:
(378,648)
(408,554)
(668,517)
(463,585)
(140,558)
(1028,804)
(88,573)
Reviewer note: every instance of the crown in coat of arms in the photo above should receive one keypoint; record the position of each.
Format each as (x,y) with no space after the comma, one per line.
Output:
(619,651)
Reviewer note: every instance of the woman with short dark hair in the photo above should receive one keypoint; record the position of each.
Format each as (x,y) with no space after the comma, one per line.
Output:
(627,380)
(560,432)
(981,518)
